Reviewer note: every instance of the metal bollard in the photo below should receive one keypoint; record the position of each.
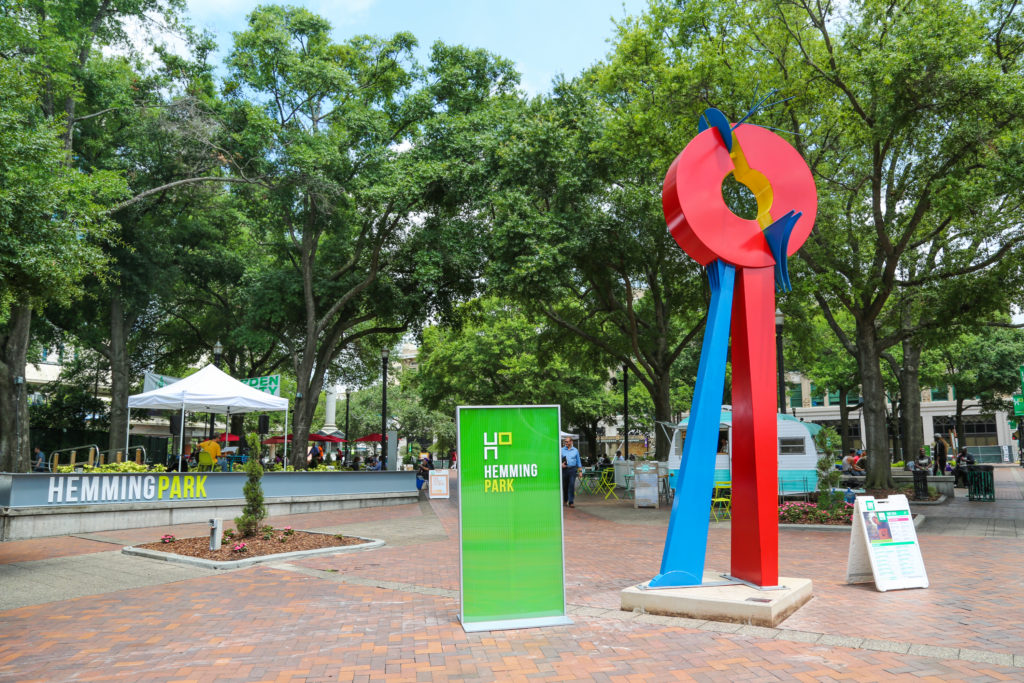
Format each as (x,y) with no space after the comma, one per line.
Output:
(216,529)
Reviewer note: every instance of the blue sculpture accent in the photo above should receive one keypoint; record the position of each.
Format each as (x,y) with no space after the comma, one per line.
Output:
(682,563)
(713,118)
(777,235)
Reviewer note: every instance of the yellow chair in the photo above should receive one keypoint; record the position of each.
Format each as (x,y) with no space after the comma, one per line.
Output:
(721,500)
(607,483)
(206,462)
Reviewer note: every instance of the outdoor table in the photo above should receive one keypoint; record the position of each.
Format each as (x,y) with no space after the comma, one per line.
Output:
(232,459)
(629,485)
(588,481)
(663,486)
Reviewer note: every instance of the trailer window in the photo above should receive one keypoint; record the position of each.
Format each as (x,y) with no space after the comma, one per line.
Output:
(791,445)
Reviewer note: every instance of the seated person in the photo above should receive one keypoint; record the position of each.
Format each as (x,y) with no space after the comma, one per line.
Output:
(923,462)
(850,465)
(963,459)
(213,448)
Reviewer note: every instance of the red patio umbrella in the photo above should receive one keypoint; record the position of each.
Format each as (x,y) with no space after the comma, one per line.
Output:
(375,437)
(312,437)
(228,437)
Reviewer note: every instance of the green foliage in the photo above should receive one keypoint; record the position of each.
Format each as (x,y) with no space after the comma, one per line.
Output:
(111,467)
(502,356)
(71,401)
(254,511)
(357,147)
(52,217)
(811,513)
(827,441)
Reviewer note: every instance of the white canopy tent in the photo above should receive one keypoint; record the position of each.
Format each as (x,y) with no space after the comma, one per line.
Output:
(210,390)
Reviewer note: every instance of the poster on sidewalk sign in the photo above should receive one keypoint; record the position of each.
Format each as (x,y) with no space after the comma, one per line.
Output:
(510,518)
(883,545)
(438,484)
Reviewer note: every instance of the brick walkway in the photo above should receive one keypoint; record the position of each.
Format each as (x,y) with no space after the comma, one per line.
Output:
(391,613)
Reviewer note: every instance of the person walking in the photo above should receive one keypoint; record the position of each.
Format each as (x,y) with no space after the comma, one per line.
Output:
(941,450)
(570,466)
(39,463)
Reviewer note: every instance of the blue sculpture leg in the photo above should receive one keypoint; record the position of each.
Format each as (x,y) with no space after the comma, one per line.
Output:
(682,563)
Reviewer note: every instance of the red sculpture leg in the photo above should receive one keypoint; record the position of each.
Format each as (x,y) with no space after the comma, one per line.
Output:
(755,517)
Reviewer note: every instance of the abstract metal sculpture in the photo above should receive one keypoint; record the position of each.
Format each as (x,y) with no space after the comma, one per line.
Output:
(746,260)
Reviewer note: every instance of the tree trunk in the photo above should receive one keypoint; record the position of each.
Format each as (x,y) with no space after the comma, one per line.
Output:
(662,415)
(910,400)
(119,373)
(309,383)
(876,439)
(14,439)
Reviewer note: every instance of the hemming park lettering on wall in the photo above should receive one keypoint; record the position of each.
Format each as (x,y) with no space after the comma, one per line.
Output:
(510,515)
(120,488)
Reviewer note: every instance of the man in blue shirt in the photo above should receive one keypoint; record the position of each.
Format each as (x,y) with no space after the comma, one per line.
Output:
(570,466)
(39,464)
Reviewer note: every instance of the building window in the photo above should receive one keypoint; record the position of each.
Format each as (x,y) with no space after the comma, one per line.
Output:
(979,430)
(833,398)
(940,394)
(817,396)
(796,395)
(791,445)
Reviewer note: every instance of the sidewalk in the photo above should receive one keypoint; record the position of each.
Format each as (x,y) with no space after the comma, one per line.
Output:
(391,613)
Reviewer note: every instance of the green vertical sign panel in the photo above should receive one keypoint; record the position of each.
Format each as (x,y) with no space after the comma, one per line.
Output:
(510,516)
(1018,404)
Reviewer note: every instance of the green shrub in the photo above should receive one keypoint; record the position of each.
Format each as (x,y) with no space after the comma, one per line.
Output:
(254,511)
(827,441)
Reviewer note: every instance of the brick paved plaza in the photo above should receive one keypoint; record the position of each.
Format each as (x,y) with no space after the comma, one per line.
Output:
(75,608)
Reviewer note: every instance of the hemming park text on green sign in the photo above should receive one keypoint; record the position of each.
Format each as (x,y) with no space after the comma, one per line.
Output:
(510,517)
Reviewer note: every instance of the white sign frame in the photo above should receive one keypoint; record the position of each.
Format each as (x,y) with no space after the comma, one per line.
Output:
(437,484)
(884,546)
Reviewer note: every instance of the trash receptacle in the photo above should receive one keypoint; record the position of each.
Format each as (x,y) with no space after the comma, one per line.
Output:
(981,483)
(921,485)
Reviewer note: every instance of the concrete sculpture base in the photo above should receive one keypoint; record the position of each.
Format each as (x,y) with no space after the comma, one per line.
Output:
(733,602)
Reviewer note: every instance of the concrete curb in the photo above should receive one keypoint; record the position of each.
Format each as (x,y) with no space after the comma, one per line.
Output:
(941,499)
(370,544)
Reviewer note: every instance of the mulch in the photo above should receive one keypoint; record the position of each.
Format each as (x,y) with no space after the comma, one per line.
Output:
(256,546)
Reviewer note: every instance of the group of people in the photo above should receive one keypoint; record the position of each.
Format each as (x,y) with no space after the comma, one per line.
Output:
(855,462)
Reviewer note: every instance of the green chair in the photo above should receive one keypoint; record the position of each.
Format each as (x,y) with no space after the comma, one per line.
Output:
(206,462)
(721,500)
(607,483)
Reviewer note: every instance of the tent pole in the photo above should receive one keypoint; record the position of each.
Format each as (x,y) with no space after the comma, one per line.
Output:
(286,438)
(127,430)
(181,437)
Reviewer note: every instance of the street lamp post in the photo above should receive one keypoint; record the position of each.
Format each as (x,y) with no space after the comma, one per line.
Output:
(348,439)
(625,408)
(19,384)
(778,360)
(384,410)
(218,350)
